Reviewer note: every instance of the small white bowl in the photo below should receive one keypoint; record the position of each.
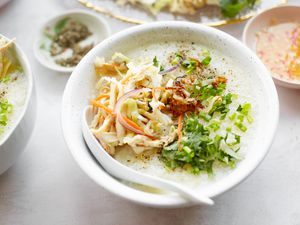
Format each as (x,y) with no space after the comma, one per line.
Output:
(14,141)
(98,26)
(287,13)
(82,82)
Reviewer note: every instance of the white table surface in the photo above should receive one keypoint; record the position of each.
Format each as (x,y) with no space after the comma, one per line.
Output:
(46,187)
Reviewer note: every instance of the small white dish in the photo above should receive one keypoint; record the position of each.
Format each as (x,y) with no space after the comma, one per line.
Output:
(282,14)
(98,27)
(81,84)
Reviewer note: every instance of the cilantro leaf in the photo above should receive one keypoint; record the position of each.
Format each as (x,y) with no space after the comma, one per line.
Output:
(231,8)
(155,61)
(60,25)
(199,151)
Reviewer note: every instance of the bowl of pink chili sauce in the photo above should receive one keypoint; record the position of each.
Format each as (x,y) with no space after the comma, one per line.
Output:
(274,35)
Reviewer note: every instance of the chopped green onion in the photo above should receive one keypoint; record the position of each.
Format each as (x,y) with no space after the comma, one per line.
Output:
(240,118)
(5,79)
(206,61)
(244,109)
(214,125)
(250,119)
(3,119)
(206,117)
(177,59)
(205,53)
(189,65)
(240,126)
(232,116)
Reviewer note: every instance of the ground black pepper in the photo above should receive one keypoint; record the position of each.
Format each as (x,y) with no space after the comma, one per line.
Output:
(68,34)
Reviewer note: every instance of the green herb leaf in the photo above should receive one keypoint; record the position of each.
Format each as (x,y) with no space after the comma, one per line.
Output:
(206,61)
(199,152)
(231,8)
(206,117)
(43,46)
(59,26)
(155,61)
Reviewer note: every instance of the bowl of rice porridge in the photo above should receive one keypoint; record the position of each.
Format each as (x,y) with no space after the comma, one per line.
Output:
(17,102)
(171,100)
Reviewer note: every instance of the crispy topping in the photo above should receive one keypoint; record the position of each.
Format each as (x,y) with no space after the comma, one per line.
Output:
(219,80)
(111,69)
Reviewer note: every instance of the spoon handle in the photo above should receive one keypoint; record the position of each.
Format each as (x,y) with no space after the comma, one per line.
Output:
(166,185)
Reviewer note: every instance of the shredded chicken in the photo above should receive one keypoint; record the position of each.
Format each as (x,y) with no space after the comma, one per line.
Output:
(145,120)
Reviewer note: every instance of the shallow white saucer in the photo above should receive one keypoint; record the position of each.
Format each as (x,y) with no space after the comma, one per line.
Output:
(98,26)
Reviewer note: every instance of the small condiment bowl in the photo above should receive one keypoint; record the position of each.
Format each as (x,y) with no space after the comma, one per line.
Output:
(98,27)
(281,14)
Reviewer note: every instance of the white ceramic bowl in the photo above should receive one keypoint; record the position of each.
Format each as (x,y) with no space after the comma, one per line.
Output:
(78,91)
(3,2)
(98,26)
(287,13)
(14,141)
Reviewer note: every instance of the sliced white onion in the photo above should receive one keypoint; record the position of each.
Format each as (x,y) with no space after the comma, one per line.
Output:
(172,68)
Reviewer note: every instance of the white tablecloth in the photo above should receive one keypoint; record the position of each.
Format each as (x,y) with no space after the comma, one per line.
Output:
(46,187)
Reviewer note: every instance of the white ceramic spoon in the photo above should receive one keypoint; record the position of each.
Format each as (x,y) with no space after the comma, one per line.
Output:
(123,172)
